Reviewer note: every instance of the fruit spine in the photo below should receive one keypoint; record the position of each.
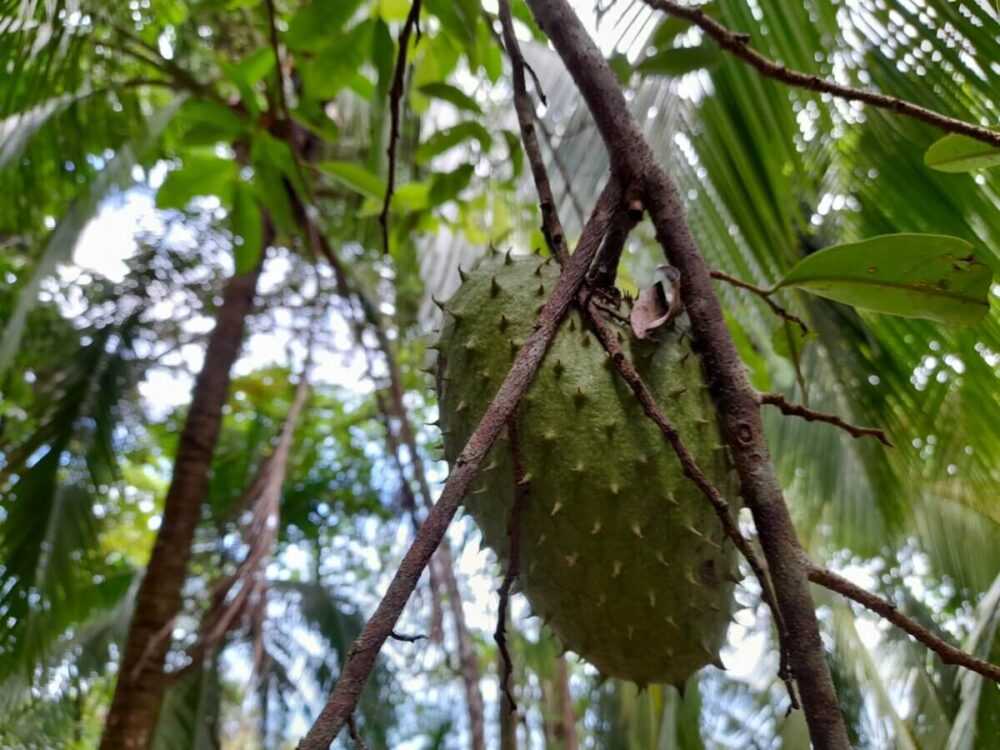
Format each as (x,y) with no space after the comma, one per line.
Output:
(620,554)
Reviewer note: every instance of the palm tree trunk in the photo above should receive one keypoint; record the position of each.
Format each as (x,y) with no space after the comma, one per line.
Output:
(135,708)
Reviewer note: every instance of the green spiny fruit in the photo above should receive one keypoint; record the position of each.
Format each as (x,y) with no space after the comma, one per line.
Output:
(620,554)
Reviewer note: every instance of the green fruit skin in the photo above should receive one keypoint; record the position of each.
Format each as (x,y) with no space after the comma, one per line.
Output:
(621,555)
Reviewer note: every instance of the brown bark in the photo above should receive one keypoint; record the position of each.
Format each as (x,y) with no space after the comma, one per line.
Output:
(632,159)
(442,566)
(378,628)
(135,707)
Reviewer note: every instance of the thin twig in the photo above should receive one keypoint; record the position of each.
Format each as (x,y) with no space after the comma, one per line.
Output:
(557,159)
(521,490)
(739,44)
(395,99)
(626,370)
(811,415)
(764,294)
(551,227)
(361,659)
(352,727)
(949,654)
(407,638)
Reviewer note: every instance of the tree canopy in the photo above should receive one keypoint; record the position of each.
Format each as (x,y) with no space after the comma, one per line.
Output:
(227,227)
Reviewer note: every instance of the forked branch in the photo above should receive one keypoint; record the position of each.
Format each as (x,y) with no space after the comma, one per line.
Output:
(738,43)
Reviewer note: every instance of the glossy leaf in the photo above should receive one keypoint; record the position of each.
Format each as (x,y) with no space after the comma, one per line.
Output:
(313,26)
(912,275)
(452,95)
(446,186)
(671,26)
(678,61)
(356,177)
(200,175)
(959,153)
(247,228)
(443,140)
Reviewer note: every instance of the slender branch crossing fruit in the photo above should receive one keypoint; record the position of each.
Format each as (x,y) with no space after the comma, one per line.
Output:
(619,552)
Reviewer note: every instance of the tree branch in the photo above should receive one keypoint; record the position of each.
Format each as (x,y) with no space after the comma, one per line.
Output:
(359,663)
(551,227)
(632,159)
(949,654)
(606,269)
(764,294)
(395,98)
(810,415)
(626,370)
(739,44)
(273,36)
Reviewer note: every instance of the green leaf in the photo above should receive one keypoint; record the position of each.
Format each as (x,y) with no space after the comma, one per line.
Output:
(200,174)
(208,122)
(393,10)
(680,60)
(622,67)
(266,149)
(457,19)
(452,95)
(356,177)
(60,244)
(316,24)
(383,56)
(247,228)
(912,275)
(959,153)
(329,72)
(251,68)
(671,26)
(488,52)
(448,138)
(446,186)
(515,151)
(413,196)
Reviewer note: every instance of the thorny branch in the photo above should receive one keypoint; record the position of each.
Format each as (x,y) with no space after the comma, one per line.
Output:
(764,294)
(810,415)
(361,659)
(739,44)
(395,100)
(949,654)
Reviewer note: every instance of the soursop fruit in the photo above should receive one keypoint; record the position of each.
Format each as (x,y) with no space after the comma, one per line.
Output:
(619,553)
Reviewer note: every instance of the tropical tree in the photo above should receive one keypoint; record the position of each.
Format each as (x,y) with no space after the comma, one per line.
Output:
(230,568)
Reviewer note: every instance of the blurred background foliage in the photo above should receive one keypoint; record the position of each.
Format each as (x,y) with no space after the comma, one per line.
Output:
(173,115)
